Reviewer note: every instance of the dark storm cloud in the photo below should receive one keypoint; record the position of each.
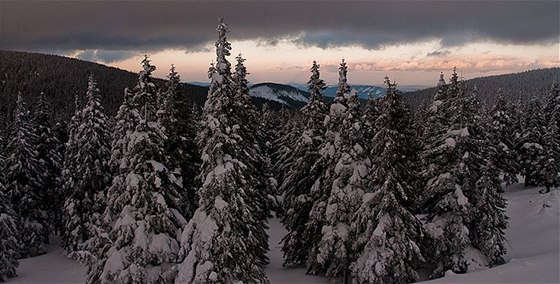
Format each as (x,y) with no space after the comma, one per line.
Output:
(154,25)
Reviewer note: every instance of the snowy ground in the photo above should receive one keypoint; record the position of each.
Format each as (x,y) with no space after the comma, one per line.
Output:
(533,236)
(533,255)
(52,267)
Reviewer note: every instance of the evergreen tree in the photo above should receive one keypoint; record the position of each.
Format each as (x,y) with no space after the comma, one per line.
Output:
(344,183)
(60,131)
(437,119)
(48,156)
(87,181)
(24,184)
(253,155)
(385,230)
(302,171)
(501,131)
(143,236)
(552,104)
(138,241)
(490,222)
(530,145)
(457,158)
(218,244)
(550,161)
(70,175)
(126,120)
(371,113)
(8,236)
(550,176)
(179,125)
(292,127)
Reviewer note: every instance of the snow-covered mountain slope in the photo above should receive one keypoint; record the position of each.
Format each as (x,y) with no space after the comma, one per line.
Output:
(284,94)
(363,91)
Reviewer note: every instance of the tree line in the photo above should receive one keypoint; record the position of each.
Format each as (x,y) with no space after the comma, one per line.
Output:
(368,193)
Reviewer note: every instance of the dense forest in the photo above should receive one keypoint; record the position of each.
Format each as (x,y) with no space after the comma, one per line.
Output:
(515,86)
(62,79)
(144,187)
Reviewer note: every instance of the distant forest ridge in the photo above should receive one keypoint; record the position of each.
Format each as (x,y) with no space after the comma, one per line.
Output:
(62,78)
(515,86)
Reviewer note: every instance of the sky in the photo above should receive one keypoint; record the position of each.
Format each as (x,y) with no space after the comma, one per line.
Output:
(409,41)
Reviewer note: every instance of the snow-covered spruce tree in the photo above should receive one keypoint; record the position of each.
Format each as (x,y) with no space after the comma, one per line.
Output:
(550,161)
(93,252)
(501,133)
(48,155)
(552,104)
(490,221)
(530,144)
(451,185)
(370,114)
(9,249)
(179,125)
(269,132)
(218,244)
(344,181)
(142,219)
(302,171)
(385,231)
(126,120)
(69,167)
(24,184)
(60,131)
(253,155)
(87,182)
(435,126)
(292,126)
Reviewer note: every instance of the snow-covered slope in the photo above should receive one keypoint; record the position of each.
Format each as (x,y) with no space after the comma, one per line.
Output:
(363,91)
(533,255)
(284,94)
(533,237)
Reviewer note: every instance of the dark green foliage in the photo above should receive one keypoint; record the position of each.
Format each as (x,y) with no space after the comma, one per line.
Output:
(61,79)
(385,231)
(501,131)
(515,86)
(530,143)
(49,156)
(223,242)
(86,170)
(24,184)
(301,173)
(9,248)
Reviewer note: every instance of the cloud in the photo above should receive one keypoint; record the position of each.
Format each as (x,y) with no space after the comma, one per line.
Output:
(438,53)
(150,26)
(481,63)
(105,56)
